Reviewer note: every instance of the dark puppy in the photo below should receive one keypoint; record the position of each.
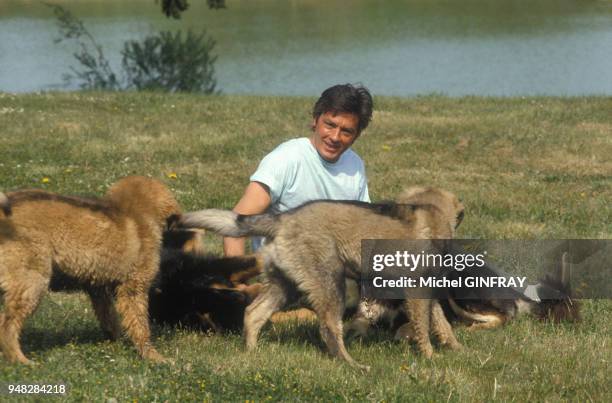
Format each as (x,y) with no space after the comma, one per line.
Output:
(202,292)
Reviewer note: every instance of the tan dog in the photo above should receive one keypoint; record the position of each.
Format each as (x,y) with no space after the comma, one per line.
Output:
(316,246)
(110,246)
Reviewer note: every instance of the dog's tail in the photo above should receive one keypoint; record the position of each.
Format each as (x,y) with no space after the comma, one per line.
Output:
(5,205)
(488,320)
(228,223)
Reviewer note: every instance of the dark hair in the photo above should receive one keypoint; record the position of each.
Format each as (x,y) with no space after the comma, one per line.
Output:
(346,98)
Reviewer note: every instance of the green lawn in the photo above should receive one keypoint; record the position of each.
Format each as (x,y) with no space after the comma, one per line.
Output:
(526,168)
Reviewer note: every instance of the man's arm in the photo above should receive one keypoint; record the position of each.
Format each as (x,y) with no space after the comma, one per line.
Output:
(255,200)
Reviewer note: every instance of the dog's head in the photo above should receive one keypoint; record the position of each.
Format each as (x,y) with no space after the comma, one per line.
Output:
(446,203)
(142,196)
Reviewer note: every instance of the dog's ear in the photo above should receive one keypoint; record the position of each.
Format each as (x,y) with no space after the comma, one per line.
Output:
(173,221)
(395,210)
(405,211)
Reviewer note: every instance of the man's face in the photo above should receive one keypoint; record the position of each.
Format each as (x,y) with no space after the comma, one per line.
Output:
(333,134)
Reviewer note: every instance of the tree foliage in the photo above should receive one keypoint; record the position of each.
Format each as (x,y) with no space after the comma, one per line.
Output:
(174,8)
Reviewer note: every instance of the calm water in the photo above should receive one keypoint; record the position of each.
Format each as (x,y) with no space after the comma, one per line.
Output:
(298,47)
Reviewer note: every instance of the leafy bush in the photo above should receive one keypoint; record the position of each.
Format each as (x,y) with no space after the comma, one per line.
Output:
(163,61)
(167,62)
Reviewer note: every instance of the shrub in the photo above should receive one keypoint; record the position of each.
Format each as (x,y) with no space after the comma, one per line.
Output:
(168,62)
(162,61)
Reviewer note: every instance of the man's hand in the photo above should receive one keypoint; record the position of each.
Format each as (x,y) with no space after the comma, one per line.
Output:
(255,200)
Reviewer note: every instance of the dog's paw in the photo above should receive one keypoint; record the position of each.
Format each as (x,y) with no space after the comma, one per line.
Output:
(22,361)
(455,346)
(19,358)
(361,367)
(365,368)
(28,362)
(427,351)
(155,357)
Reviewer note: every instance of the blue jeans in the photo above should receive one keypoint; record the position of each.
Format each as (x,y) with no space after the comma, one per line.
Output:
(257,242)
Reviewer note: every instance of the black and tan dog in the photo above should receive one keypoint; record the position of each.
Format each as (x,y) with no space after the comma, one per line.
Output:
(111,246)
(202,292)
(313,248)
(480,311)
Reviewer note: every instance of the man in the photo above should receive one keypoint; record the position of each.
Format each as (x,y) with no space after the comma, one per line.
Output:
(321,166)
(315,168)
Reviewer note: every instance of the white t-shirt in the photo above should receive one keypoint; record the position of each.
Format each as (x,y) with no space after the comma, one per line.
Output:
(295,173)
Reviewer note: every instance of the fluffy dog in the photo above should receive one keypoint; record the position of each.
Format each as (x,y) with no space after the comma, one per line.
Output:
(110,246)
(313,248)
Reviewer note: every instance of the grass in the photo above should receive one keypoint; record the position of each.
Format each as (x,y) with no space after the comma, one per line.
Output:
(526,168)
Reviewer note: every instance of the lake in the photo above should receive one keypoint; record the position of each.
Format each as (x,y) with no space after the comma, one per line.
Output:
(291,47)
